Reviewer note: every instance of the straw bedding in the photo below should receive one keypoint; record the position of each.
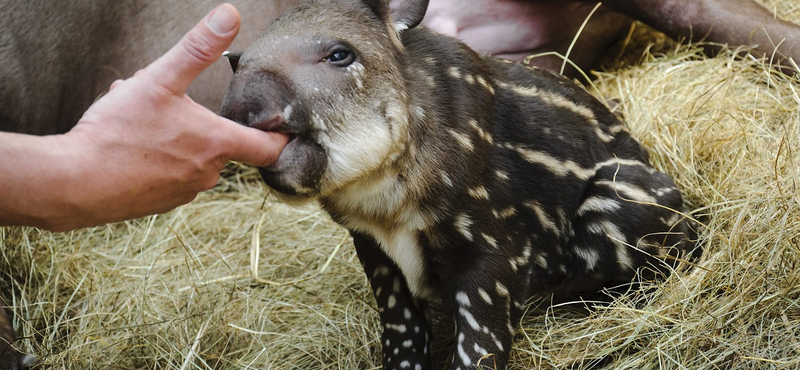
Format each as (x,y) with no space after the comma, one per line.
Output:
(236,280)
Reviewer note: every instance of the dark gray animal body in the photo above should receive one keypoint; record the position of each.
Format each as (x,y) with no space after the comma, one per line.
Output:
(57,57)
(461,177)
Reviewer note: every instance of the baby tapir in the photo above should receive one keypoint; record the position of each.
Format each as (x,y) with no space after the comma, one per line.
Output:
(462,178)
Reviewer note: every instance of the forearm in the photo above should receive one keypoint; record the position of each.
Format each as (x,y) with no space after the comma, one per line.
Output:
(34,180)
(143,148)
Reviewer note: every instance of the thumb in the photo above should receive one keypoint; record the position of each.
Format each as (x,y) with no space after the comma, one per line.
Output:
(197,50)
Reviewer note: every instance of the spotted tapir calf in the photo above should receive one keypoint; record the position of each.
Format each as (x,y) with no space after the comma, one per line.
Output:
(462,178)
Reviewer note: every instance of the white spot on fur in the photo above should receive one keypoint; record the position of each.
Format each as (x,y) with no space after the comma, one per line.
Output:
(526,251)
(591,256)
(541,261)
(551,98)
(398,328)
(563,168)
(381,271)
(287,112)
(446,178)
(503,175)
(479,192)
(462,139)
(490,240)
(505,213)
(544,219)
(463,299)
(470,319)
(615,234)
(462,224)
(501,289)
(672,220)
(461,352)
(486,85)
(481,132)
(628,191)
(598,204)
(664,191)
(419,112)
(485,296)
(479,350)
(497,343)
(454,72)
(554,165)
(429,80)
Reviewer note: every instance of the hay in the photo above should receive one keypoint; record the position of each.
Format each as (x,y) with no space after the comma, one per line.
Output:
(176,291)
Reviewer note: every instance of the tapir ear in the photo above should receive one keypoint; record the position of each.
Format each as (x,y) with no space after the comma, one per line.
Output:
(407,14)
(233,58)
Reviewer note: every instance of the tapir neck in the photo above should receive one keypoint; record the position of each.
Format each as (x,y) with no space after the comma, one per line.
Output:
(451,108)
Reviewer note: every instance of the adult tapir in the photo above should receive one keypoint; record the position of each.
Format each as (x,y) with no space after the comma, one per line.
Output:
(58,57)
(533,27)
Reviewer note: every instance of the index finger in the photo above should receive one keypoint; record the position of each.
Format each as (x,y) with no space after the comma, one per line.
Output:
(197,50)
(250,145)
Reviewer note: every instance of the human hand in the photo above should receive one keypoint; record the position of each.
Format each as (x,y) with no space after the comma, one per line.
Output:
(146,147)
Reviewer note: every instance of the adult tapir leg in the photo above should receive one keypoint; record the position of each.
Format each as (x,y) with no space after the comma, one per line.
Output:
(733,22)
(10,358)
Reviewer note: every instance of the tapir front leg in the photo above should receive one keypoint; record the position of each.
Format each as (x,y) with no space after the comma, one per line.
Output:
(484,295)
(406,331)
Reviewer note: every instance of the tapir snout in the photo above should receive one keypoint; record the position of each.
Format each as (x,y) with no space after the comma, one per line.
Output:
(264,100)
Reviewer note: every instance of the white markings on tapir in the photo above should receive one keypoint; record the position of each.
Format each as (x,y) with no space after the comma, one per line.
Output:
(463,223)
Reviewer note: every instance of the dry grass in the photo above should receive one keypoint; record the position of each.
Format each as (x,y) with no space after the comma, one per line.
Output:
(176,291)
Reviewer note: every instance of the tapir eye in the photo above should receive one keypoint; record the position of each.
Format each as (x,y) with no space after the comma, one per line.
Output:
(340,57)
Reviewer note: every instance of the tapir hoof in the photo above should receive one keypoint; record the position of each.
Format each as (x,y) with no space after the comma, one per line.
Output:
(14,360)
(10,358)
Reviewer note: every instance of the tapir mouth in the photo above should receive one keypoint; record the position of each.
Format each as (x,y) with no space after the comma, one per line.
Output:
(278,124)
(275,123)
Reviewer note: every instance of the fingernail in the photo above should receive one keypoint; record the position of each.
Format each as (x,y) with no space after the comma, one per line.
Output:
(222,19)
